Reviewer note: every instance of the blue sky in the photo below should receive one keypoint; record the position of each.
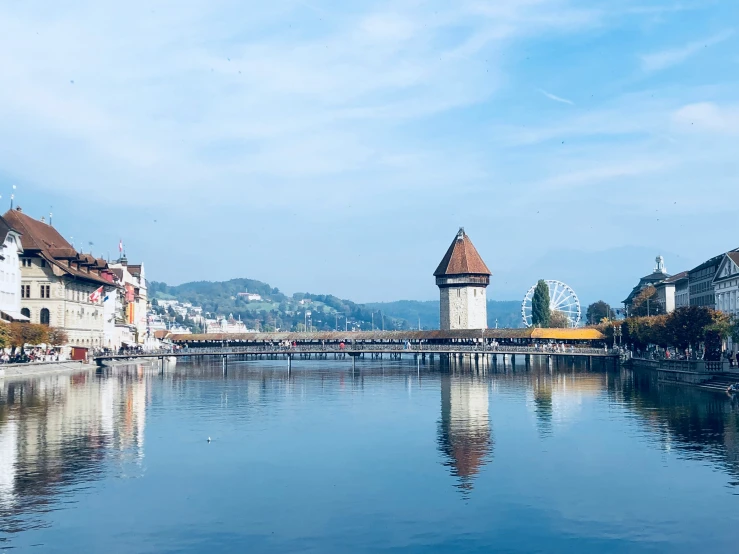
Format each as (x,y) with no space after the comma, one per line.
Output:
(337,146)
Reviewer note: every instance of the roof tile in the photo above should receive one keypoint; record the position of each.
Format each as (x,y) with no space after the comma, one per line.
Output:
(461,258)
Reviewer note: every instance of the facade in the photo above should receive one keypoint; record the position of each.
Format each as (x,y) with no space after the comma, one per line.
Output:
(682,291)
(462,278)
(726,284)
(667,291)
(701,282)
(658,274)
(57,282)
(134,299)
(229,326)
(10,273)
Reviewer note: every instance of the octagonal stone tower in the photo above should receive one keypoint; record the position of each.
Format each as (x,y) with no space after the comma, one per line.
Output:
(462,278)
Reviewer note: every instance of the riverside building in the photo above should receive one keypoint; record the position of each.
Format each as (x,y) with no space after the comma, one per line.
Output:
(57,282)
(10,273)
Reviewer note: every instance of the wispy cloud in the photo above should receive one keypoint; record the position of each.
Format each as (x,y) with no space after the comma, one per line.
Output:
(708,117)
(556,98)
(663,59)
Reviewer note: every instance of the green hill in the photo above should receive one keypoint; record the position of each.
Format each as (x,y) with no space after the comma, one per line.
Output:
(276,310)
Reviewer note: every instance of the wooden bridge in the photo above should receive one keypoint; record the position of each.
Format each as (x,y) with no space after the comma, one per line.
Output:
(446,352)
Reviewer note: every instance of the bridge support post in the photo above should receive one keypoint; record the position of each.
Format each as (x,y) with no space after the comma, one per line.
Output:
(289,363)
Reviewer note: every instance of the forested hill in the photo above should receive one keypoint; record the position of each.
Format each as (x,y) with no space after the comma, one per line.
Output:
(276,310)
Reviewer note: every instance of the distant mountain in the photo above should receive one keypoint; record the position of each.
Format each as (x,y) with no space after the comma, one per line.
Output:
(275,310)
(505,313)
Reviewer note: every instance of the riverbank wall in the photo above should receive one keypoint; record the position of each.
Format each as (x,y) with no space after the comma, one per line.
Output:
(701,373)
(36,369)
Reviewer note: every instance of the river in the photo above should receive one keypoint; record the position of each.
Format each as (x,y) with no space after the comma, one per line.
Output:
(390,457)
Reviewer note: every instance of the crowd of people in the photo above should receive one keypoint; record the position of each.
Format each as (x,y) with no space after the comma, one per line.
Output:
(30,355)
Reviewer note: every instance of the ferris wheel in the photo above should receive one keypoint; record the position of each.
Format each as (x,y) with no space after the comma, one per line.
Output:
(561,299)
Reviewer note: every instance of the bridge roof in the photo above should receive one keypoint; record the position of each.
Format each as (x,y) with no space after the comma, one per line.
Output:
(461,258)
(579,334)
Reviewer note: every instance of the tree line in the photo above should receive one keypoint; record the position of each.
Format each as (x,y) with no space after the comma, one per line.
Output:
(687,328)
(17,334)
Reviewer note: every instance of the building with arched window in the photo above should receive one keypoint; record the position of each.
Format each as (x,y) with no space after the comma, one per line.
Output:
(59,286)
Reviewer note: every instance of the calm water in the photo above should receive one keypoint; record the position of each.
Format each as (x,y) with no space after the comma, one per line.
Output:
(385,459)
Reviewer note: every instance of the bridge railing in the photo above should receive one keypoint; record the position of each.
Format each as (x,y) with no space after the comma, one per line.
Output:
(384,348)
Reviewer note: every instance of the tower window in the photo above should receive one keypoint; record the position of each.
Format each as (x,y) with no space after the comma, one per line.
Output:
(459,293)
(475,292)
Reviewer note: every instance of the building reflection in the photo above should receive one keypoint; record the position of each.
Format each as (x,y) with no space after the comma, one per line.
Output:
(464,431)
(696,424)
(58,430)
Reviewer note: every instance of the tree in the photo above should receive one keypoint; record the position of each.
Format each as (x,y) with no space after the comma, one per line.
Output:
(57,337)
(559,320)
(5,337)
(27,333)
(686,327)
(646,303)
(598,311)
(540,309)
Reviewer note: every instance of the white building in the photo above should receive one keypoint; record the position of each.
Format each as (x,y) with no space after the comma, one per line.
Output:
(667,292)
(250,296)
(462,278)
(10,273)
(228,326)
(726,284)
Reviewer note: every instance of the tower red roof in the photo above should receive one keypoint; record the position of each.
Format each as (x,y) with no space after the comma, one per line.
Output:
(461,259)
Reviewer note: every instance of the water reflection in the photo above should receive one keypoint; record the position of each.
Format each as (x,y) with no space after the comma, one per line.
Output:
(56,432)
(61,434)
(464,434)
(696,423)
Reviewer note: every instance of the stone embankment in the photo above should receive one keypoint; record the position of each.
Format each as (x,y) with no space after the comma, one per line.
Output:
(35,369)
(41,368)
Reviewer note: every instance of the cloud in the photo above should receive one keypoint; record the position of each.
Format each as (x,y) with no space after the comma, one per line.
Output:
(708,116)
(230,94)
(556,98)
(594,175)
(657,61)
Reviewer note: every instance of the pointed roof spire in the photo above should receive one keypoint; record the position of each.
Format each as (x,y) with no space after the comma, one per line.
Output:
(461,258)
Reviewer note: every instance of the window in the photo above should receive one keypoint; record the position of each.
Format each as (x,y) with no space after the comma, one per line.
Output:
(45,316)
(26,262)
(26,312)
(25,291)
(43,263)
(45,291)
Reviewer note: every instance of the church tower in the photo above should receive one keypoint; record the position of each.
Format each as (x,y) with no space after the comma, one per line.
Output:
(462,277)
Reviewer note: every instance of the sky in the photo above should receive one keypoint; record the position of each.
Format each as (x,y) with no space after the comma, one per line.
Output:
(336,147)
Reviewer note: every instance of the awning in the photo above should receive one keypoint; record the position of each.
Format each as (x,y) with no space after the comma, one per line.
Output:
(14,316)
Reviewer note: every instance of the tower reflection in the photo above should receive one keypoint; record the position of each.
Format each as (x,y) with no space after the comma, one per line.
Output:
(464,432)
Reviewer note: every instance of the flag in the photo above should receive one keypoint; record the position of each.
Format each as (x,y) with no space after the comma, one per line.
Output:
(95,296)
(120,246)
